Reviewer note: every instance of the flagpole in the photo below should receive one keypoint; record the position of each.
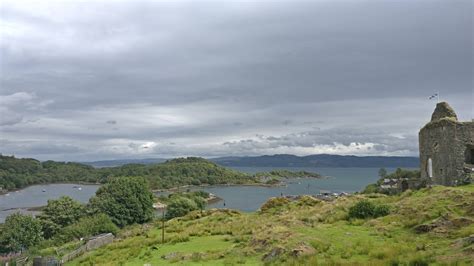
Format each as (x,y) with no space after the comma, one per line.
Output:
(438,96)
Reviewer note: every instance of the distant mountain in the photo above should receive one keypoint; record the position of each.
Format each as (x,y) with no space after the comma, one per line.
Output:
(287,160)
(318,160)
(114,163)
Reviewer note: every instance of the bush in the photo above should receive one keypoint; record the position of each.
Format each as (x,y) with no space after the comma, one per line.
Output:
(308,201)
(273,203)
(180,206)
(381,210)
(366,209)
(362,210)
(88,226)
(202,194)
(19,232)
(60,213)
(371,188)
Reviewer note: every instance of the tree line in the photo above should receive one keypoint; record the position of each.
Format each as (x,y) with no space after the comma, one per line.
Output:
(122,201)
(16,173)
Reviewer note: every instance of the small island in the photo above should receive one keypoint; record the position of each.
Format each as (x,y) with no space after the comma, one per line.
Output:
(174,174)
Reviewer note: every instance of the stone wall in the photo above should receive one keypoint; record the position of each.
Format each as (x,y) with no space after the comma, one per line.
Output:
(92,243)
(98,241)
(449,144)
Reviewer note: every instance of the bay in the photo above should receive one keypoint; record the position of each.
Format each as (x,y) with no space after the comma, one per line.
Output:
(244,198)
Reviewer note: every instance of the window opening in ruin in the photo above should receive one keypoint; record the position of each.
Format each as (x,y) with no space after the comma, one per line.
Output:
(470,155)
(429,168)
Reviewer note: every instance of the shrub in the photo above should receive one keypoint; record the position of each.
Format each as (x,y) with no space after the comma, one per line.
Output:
(366,209)
(202,194)
(60,213)
(180,206)
(88,226)
(274,203)
(308,201)
(362,209)
(381,210)
(371,188)
(19,232)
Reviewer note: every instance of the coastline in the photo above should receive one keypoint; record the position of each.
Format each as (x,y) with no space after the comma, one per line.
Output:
(282,183)
(175,189)
(211,200)
(4,192)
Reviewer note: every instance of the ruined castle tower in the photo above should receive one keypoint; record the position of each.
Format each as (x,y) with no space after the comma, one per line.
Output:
(446,148)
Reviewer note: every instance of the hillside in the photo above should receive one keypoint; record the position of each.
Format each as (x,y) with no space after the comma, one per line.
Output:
(181,171)
(17,173)
(115,163)
(432,225)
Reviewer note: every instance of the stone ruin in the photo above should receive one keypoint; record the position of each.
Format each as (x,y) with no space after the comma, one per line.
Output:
(447,148)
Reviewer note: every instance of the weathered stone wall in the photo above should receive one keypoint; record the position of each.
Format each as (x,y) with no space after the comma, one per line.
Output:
(93,243)
(100,240)
(447,142)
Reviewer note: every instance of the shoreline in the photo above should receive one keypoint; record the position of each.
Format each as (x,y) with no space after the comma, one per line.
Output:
(279,184)
(4,192)
(175,189)
(159,206)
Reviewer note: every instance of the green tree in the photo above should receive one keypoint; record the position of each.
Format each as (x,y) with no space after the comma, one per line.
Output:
(88,226)
(60,213)
(382,172)
(127,200)
(20,232)
(180,206)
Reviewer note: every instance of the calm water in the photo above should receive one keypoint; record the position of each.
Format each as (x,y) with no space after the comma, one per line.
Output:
(245,198)
(250,198)
(34,196)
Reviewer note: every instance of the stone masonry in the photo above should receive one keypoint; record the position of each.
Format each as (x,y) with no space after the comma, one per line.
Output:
(446,148)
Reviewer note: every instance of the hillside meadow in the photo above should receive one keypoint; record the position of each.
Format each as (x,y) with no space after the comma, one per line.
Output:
(432,226)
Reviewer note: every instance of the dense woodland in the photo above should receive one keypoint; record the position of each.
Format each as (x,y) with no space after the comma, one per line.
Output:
(17,173)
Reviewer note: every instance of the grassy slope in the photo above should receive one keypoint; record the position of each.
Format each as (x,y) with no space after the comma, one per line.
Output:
(228,237)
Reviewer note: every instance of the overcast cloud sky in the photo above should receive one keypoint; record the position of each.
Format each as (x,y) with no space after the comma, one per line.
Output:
(92,80)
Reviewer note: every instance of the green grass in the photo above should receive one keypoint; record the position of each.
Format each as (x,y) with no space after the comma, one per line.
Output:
(222,237)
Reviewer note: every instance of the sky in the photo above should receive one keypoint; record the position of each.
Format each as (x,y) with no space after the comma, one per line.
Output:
(97,80)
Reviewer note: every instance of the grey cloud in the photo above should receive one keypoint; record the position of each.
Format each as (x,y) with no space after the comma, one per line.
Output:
(382,141)
(40,148)
(302,74)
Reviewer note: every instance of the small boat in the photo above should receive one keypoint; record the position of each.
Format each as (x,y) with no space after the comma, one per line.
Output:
(79,188)
(44,190)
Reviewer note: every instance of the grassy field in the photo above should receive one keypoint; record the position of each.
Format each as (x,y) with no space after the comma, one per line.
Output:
(430,226)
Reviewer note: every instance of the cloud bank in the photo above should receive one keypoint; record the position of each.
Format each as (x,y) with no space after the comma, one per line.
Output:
(133,79)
